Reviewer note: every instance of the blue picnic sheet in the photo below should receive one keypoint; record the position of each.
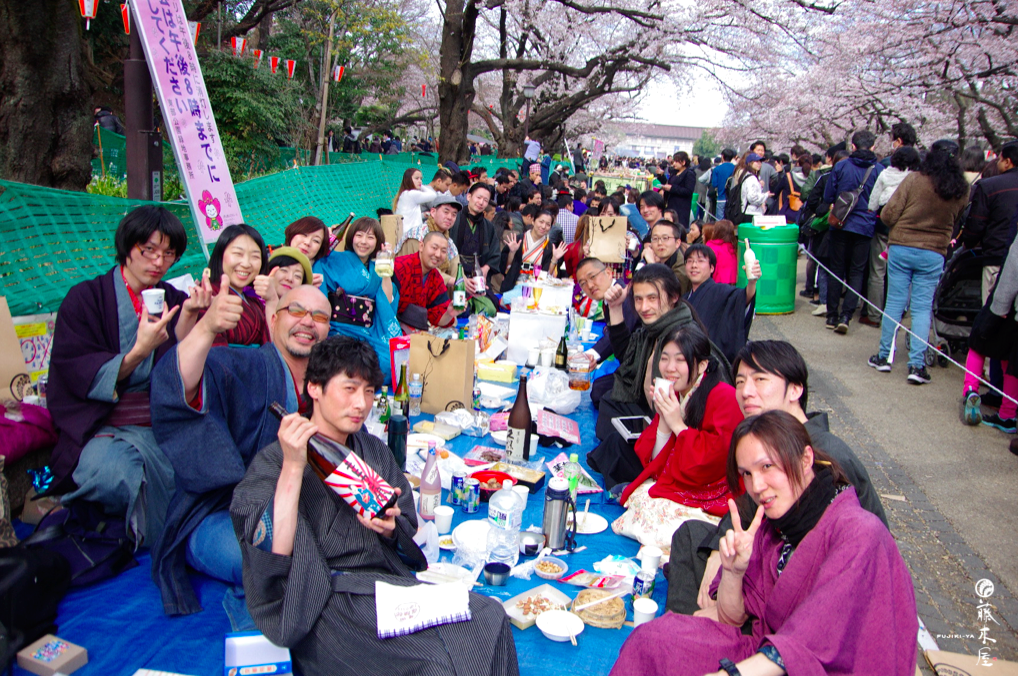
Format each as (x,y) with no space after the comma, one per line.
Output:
(121,624)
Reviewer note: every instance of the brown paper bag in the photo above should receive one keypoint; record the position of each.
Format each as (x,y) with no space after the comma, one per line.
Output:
(607,237)
(15,382)
(392,226)
(447,369)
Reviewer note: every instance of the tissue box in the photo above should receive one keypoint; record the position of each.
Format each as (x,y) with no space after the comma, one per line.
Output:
(249,653)
(50,655)
(501,372)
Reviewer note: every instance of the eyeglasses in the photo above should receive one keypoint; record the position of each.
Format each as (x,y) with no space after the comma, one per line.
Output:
(661,239)
(154,254)
(586,281)
(298,312)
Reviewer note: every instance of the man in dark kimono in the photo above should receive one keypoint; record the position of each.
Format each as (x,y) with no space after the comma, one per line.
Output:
(210,415)
(104,347)
(725,309)
(311,562)
(665,240)
(770,375)
(473,234)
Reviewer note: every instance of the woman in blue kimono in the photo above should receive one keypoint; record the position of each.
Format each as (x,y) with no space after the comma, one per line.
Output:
(367,301)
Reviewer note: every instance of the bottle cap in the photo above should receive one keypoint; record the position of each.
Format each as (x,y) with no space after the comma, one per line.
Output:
(558,484)
(507,484)
(573,457)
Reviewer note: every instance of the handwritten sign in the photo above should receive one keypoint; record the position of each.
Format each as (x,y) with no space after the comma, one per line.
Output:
(183,98)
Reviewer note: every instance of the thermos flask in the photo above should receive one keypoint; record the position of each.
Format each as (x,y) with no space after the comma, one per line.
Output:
(556,509)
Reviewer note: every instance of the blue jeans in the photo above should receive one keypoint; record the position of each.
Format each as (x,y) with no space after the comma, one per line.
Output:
(719,211)
(917,270)
(213,549)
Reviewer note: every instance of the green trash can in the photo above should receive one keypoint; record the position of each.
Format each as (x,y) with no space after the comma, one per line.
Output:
(777,249)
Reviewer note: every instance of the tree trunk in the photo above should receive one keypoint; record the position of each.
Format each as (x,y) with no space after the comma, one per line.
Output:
(456,81)
(264,32)
(45,102)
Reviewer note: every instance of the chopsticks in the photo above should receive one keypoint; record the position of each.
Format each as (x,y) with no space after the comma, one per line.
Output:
(602,600)
(440,577)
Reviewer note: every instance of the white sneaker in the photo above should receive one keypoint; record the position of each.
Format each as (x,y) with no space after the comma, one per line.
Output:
(820,311)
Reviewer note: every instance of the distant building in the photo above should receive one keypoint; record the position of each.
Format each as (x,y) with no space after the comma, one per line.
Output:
(656,140)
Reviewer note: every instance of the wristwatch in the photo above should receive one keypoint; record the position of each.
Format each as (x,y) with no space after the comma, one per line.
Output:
(730,667)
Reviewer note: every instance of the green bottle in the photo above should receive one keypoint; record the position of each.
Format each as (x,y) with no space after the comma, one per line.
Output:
(383,404)
(459,292)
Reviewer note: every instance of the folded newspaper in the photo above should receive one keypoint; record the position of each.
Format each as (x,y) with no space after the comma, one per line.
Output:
(406,610)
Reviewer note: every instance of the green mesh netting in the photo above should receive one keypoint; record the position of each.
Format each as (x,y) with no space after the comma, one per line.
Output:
(53,239)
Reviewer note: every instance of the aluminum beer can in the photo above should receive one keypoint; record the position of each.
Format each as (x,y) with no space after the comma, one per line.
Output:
(472,496)
(459,487)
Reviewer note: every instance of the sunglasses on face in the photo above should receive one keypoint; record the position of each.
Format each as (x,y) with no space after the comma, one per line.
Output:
(298,312)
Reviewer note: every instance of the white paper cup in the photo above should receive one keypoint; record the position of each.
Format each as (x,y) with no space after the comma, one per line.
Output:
(443,518)
(522,491)
(662,385)
(644,610)
(652,556)
(154,300)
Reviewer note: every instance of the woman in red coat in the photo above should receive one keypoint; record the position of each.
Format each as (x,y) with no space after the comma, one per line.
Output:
(685,449)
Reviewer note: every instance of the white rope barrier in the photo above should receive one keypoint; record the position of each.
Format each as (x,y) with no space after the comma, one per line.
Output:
(834,279)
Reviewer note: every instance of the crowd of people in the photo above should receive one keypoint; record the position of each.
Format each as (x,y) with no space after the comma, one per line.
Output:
(165,421)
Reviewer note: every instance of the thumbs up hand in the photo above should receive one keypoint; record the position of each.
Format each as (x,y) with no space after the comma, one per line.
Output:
(225,310)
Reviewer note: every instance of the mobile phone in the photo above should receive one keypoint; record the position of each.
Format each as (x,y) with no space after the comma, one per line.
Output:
(631,427)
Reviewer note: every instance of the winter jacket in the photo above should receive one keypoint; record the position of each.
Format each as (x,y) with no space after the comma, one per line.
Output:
(993,207)
(847,175)
(887,182)
(918,217)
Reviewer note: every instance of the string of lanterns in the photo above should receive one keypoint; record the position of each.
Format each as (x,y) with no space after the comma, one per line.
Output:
(89,8)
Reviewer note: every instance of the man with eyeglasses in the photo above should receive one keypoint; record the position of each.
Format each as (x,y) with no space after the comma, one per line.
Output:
(665,238)
(594,279)
(210,414)
(105,346)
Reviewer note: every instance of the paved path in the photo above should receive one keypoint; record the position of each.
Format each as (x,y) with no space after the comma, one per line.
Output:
(956,516)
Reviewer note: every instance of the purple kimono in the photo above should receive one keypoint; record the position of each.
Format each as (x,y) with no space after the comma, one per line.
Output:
(87,336)
(843,605)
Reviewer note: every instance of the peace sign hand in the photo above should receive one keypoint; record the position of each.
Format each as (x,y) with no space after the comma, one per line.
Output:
(737,544)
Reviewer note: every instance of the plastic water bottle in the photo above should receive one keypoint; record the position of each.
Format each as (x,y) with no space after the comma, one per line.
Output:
(416,392)
(505,514)
(572,475)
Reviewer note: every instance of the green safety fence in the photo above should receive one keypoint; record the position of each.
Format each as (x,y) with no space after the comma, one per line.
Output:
(110,153)
(52,239)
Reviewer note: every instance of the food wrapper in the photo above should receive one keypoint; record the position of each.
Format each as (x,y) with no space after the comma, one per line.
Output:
(486,331)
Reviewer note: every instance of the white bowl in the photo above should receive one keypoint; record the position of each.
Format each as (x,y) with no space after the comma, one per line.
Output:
(559,625)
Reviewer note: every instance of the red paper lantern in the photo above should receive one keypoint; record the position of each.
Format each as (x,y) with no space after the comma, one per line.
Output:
(125,14)
(273,63)
(238,45)
(257,57)
(195,27)
(88,10)
(291,66)
(337,73)
(424,90)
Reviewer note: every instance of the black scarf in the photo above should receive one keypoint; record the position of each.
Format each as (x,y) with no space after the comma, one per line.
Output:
(798,521)
(642,343)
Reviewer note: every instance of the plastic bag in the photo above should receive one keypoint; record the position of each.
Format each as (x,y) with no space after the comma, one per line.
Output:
(427,540)
(549,387)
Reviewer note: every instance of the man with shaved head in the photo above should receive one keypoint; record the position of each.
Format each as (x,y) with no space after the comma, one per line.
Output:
(210,415)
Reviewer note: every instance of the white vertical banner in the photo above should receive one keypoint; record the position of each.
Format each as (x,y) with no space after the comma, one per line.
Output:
(191,126)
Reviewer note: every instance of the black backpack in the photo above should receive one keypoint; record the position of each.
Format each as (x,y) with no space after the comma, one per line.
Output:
(95,544)
(733,207)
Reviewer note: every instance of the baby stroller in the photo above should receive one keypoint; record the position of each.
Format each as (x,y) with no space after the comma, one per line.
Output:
(956,302)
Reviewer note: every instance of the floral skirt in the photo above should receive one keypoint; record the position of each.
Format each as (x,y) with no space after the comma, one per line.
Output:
(652,521)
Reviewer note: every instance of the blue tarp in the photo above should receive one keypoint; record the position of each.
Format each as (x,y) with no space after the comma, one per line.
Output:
(121,624)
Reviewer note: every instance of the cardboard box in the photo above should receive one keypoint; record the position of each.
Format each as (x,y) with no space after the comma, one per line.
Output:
(50,655)
(249,652)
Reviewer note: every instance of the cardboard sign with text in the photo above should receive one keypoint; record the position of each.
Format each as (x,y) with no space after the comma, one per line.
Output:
(14,379)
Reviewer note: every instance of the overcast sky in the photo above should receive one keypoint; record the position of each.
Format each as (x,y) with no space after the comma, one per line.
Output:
(705,107)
